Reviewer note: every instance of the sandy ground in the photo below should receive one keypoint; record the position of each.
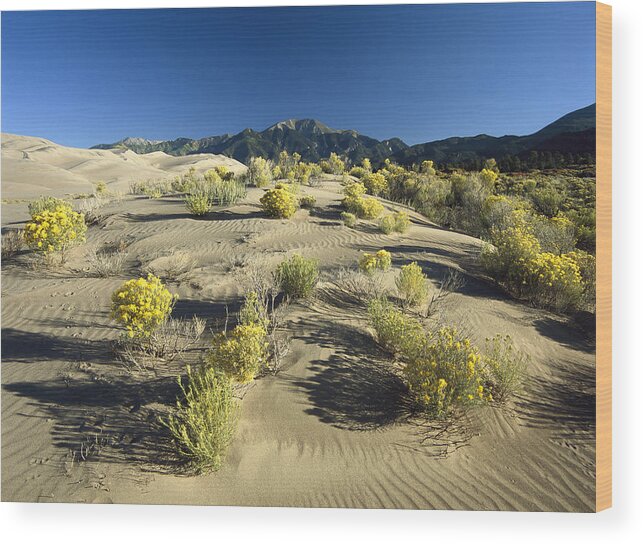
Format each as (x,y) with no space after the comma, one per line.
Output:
(327,431)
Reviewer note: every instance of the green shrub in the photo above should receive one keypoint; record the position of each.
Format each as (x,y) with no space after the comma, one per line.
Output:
(349,219)
(395,331)
(198,204)
(395,222)
(141,305)
(259,172)
(46,203)
(357,172)
(547,200)
(334,165)
(307,201)
(412,285)
(402,222)
(227,192)
(387,224)
(279,202)
(298,276)
(446,374)
(204,419)
(505,367)
(254,311)
(369,263)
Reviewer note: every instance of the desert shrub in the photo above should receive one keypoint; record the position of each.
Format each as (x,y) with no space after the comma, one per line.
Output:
(412,285)
(369,263)
(360,287)
(204,419)
(55,230)
(172,337)
(12,242)
(555,235)
(241,353)
(90,208)
(259,172)
(307,201)
(504,366)
(402,222)
(333,165)
(357,172)
(512,249)
(395,331)
(46,203)
(554,281)
(198,204)
(278,202)
(152,188)
(387,224)
(223,172)
(446,374)
(586,263)
(141,305)
(107,261)
(375,183)
(353,192)
(227,192)
(427,168)
(349,219)
(369,208)
(298,276)
(254,311)
(488,177)
(547,200)
(395,222)
(101,188)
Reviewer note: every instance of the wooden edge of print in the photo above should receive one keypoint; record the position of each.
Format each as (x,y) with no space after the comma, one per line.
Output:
(603,256)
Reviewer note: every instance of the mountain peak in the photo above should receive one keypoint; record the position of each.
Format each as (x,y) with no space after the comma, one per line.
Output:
(309,126)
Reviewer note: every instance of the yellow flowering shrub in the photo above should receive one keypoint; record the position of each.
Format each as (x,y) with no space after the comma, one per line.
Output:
(488,177)
(241,353)
(279,202)
(375,183)
(141,305)
(446,374)
(554,280)
(370,262)
(55,230)
(412,285)
(369,208)
(49,203)
(198,203)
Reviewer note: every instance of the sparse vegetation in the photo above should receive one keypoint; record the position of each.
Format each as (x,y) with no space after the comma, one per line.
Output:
(307,201)
(259,172)
(505,367)
(106,261)
(198,204)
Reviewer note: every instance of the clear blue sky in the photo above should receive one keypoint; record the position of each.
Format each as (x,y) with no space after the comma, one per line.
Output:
(417,72)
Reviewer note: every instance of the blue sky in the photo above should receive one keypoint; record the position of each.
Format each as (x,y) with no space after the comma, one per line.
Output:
(416,72)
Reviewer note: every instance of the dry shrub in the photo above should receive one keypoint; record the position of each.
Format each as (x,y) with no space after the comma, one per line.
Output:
(106,261)
(175,266)
(360,287)
(505,367)
(204,419)
(12,243)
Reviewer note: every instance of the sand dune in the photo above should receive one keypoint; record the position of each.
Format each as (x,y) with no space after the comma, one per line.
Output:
(34,166)
(328,430)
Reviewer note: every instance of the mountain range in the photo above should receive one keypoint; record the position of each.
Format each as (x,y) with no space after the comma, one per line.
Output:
(570,136)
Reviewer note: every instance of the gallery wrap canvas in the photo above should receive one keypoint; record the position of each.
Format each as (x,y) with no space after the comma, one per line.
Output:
(333,256)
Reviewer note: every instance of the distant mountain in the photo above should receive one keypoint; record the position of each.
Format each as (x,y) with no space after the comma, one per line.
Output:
(310,138)
(570,137)
(573,133)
